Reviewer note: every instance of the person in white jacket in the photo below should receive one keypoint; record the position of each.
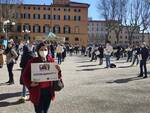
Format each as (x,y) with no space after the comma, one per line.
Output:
(59,51)
(108,51)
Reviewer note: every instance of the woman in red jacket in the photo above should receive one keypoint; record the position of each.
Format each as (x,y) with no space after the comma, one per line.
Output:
(41,93)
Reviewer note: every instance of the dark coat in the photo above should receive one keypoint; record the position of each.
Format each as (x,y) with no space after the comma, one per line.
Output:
(144,53)
(101,50)
(27,55)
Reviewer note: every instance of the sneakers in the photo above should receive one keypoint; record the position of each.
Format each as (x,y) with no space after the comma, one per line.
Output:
(23,99)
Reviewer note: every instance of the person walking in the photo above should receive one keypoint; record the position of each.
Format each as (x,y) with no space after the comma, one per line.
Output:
(11,55)
(143,56)
(108,51)
(41,93)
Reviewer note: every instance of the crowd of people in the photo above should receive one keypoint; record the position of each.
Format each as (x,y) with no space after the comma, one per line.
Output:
(28,52)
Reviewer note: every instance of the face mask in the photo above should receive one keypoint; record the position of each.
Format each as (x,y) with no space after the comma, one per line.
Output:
(43,53)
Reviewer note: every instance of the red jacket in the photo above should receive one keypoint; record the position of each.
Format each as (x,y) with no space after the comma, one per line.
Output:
(35,91)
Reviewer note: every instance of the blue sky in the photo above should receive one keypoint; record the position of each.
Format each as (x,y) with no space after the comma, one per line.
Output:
(92,10)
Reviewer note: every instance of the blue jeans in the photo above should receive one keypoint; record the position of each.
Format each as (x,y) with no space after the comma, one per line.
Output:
(24,91)
(107,61)
(44,103)
(59,56)
(143,65)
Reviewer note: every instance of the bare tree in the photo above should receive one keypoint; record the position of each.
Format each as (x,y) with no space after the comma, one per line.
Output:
(137,18)
(122,7)
(145,16)
(113,12)
(8,9)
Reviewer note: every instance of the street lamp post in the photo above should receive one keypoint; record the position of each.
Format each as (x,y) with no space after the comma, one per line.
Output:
(5,30)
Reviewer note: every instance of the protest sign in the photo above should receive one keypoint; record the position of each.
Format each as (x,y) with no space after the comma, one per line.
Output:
(41,72)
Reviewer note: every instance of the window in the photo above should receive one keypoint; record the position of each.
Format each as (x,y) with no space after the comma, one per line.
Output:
(46,16)
(18,16)
(56,17)
(126,37)
(66,38)
(78,18)
(66,17)
(77,10)
(46,29)
(66,29)
(36,16)
(26,16)
(76,39)
(36,8)
(18,28)
(56,29)
(120,37)
(36,29)
(26,27)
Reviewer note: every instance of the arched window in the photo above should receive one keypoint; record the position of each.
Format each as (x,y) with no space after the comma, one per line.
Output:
(36,28)
(46,29)
(26,27)
(66,29)
(18,28)
(56,29)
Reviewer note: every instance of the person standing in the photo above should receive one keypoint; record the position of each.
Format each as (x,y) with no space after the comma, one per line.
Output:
(101,55)
(11,55)
(41,93)
(59,51)
(108,51)
(26,56)
(136,51)
(143,56)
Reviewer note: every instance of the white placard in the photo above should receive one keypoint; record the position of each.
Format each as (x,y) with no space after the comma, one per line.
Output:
(97,53)
(41,72)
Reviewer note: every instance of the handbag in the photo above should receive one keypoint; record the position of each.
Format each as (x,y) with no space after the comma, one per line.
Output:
(58,85)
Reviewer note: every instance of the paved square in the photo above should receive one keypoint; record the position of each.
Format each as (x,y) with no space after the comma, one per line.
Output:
(89,88)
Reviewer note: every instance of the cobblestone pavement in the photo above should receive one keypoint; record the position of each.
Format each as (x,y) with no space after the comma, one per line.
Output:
(89,88)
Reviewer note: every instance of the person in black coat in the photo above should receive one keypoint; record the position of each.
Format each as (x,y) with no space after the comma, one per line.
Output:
(143,56)
(26,56)
(101,55)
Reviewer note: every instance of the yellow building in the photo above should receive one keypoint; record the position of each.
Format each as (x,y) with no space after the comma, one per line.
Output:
(64,18)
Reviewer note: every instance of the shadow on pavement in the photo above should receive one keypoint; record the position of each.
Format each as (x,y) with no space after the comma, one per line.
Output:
(126,66)
(5,104)
(87,65)
(9,95)
(92,69)
(84,61)
(3,84)
(122,62)
(125,80)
